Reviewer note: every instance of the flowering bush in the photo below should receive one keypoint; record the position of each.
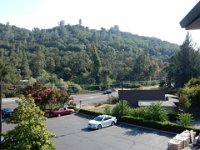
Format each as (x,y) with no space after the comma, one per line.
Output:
(44,95)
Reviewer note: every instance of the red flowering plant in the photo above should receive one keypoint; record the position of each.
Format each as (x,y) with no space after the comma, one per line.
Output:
(43,95)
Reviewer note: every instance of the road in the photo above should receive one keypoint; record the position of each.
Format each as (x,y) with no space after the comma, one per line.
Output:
(72,133)
(92,98)
(85,98)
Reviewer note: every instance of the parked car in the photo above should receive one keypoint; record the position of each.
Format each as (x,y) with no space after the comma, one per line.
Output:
(58,112)
(7,112)
(108,91)
(102,121)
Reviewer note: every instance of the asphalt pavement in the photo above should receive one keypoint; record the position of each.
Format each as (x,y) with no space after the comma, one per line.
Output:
(85,99)
(72,133)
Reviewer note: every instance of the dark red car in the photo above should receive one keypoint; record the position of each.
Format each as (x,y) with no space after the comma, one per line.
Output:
(58,112)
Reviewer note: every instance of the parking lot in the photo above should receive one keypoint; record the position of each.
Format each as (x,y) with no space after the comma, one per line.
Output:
(72,133)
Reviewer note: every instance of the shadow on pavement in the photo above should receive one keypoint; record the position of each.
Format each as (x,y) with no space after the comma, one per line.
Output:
(87,130)
(84,116)
(133,130)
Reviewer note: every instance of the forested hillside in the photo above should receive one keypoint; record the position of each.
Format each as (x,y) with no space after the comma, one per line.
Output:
(81,55)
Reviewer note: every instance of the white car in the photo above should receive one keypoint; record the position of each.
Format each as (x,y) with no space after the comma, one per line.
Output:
(102,121)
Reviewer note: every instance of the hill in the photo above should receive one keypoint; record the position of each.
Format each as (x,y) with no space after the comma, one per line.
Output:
(71,52)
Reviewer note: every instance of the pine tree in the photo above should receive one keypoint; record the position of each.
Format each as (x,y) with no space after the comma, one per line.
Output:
(184,65)
(96,67)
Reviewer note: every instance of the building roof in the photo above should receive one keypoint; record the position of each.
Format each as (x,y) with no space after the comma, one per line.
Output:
(192,19)
(171,102)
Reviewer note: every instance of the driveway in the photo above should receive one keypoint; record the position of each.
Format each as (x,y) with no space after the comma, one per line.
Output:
(71,133)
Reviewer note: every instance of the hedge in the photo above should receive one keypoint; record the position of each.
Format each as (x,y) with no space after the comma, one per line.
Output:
(89,112)
(165,126)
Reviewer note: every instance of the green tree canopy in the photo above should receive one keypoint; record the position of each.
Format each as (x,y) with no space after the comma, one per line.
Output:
(79,54)
(44,95)
(192,91)
(184,65)
(96,64)
(30,132)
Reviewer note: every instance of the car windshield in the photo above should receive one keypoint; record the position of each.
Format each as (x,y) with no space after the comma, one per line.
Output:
(99,118)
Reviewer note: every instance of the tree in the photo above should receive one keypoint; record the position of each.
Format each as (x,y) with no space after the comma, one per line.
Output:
(10,71)
(184,103)
(105,77)
(80,22)
(36,34)
(142,69)
(30,132)
(192,91)
(44,95)
(185,64)
(96,64)
(25,70)
(62,29)
(38,63)
(61,50)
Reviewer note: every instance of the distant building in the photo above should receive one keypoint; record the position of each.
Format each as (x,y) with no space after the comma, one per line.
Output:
(143,98)
(134,96)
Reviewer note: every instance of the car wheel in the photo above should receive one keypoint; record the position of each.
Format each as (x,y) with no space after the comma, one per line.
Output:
(50,115)
(113,123)
(59,115)
(99,126)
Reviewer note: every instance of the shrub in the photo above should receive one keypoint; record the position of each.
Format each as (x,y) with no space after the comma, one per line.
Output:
(185,119)
(71,104)
(165,126)
(192,90)
(107,110)
(112,99)
(173,116)
(156,112)
(120,109)
(153,112)
(138,112)
(44,95)
(89,112)
(74,88)
(184,102)
(129,85)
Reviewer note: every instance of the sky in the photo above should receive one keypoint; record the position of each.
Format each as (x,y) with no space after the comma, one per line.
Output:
(152,18)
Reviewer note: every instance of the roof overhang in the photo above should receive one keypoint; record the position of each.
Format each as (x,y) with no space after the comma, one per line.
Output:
(192,20)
